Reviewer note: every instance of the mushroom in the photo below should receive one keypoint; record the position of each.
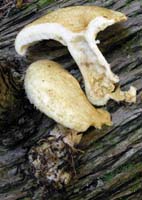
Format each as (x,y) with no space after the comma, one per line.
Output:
(77,28)
(57,94)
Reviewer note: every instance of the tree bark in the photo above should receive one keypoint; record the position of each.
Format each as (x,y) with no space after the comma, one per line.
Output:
(111,165)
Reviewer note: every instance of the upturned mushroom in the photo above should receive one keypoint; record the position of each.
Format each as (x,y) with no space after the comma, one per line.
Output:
(77,28)
(57,94)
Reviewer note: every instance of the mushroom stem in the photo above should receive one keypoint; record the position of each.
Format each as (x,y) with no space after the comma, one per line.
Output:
(70,136)
(94,27)
(98,78)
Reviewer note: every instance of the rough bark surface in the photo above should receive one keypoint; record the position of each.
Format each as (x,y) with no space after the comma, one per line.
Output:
(111,165)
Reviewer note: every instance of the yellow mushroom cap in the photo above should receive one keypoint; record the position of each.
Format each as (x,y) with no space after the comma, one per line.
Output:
(56,93)
(77,18)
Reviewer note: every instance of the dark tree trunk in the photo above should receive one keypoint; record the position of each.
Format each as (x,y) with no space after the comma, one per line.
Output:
(111,165)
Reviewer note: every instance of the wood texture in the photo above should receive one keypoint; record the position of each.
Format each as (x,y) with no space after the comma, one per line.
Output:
(111,165)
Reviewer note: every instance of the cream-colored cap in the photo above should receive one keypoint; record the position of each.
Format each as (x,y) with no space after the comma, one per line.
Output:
(56,93)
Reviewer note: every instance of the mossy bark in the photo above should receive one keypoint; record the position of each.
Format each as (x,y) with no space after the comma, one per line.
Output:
(111,165)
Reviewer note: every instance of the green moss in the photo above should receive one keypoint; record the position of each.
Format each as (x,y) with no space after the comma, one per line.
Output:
(108,177)
(128,2)
(123,168)
(36,5)
(99,145)
(122,198)
(137,186)
(42,3)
